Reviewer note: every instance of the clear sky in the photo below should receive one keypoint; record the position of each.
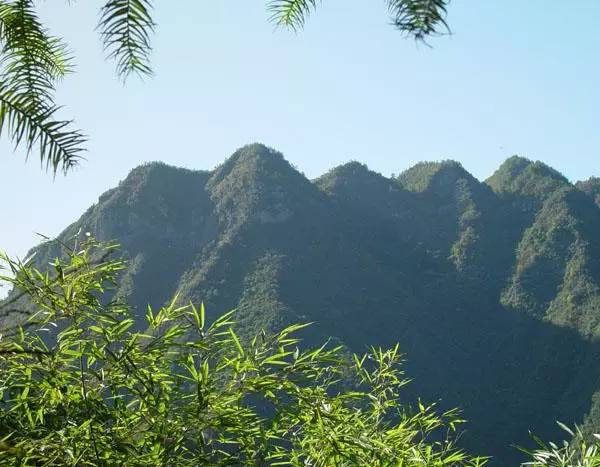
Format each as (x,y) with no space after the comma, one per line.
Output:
(516,77)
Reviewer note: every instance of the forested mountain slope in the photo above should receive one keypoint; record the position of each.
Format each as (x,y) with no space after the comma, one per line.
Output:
(591,187)
(492,289)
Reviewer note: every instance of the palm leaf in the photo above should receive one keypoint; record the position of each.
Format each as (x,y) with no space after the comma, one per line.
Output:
(125,27)
(419,18)
(290,13)
(29,124)
(31,61)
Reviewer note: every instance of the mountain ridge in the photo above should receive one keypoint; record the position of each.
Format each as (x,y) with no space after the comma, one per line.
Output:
(480,282)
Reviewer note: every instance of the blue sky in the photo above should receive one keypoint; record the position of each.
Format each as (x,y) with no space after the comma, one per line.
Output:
(516,77)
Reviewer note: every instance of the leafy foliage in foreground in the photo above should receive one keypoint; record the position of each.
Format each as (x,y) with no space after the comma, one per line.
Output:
(31,63)
(418,19)
(579,452)
(80,387)
(126,27)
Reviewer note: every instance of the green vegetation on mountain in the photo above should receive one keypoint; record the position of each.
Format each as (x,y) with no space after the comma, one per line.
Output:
(526,178)
(185,392)
(591,187)
(491,289)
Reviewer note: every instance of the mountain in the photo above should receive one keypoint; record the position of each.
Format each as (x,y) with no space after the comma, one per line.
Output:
(491,288)
(591,187)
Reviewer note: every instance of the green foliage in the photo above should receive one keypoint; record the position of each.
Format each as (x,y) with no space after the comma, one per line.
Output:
(577,452)
(291,13)
(591,187)
(415,18)
(32,59)
(80,386)
(556,267)
(31,62)
(126,27)
(526,178)
(419,19)
(419,177)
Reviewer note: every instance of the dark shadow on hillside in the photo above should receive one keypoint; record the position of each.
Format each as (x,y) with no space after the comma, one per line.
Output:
(510,373)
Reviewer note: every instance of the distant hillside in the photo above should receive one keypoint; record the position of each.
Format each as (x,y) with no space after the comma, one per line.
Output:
(492,289)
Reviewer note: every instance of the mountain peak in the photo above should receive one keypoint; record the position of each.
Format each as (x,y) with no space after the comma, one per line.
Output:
(426,175)
(350,176)
(526,177)
(354,183)
(514,165)
(591,187)
(255,156)
(157,168)
(352,168)
(256,182)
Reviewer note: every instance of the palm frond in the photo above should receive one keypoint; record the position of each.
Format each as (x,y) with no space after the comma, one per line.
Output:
(28,124)
(419,18)
(290,13)
(31,61)
(125,27)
